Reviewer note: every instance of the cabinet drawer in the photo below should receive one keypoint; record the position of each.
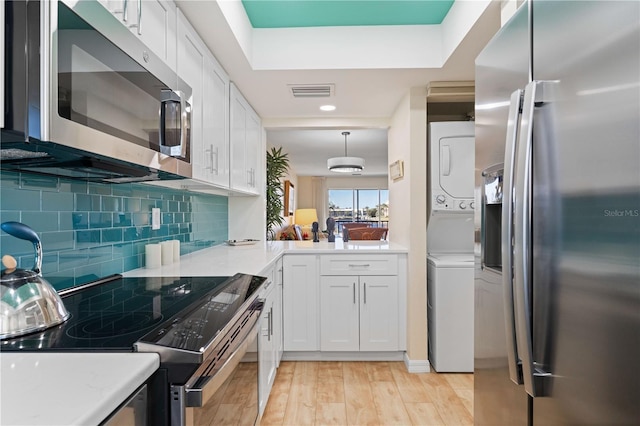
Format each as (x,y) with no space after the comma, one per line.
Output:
(359,265)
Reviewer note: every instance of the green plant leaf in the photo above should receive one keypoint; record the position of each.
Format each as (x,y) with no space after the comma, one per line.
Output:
(277,168)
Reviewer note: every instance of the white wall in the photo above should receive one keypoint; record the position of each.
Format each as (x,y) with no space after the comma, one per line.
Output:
(407,212)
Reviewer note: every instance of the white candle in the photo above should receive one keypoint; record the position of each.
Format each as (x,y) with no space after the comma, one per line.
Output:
(167,252)
(176,250)
(152,256)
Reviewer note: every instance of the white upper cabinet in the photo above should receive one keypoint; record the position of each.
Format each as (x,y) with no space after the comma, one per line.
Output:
(153,21)
(191,59)
(246,147)
(209,106)
(216,123)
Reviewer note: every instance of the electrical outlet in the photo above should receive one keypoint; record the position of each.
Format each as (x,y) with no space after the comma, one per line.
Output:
(155,218)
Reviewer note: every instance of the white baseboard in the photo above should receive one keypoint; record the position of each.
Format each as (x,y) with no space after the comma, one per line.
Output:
(416,365)
(341,356)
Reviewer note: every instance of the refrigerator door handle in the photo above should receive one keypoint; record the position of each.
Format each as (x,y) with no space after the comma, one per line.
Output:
(535,92)
(522,254)
(515,369)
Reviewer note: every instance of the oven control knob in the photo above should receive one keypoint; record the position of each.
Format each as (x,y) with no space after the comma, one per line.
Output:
(472,205)
(440,199)
(462,205)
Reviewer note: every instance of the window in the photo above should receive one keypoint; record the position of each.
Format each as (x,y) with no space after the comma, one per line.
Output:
(370,206)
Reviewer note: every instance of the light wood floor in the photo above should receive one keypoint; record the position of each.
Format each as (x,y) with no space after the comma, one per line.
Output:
(367,393)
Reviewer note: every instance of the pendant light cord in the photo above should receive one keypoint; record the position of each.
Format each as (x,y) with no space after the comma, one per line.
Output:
(345,142)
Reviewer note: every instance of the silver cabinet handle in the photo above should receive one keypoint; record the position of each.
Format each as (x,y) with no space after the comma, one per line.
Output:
(270,322)
(139,17)
(212,152)
(217,160)
(138,25)
(124,11)
(365,293)
(356,265)
(515,371)
(354,293)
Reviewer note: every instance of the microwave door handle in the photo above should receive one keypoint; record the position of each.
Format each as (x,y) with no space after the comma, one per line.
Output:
(515,370)
(184,122)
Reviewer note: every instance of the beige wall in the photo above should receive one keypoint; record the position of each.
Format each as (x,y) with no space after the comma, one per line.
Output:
(407,211)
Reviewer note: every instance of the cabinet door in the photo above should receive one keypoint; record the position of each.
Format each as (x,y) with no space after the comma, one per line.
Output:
(237,128)
(156,28)
(339,328)
(253,151)
(215,123)
(379,313)
(277,312)
(191,56)
(266,360)
(153,21)
(300,308)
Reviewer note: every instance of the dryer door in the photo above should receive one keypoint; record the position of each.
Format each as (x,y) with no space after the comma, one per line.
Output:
(457,165)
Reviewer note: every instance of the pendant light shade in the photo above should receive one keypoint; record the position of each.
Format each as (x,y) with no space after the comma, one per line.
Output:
(345,164)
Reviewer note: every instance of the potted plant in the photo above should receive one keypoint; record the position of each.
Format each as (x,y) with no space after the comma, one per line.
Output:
(277,168)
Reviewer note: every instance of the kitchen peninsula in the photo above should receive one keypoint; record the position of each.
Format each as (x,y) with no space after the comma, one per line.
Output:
(225,260)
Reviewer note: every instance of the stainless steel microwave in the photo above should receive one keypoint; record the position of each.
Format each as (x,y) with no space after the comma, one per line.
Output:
(86,99)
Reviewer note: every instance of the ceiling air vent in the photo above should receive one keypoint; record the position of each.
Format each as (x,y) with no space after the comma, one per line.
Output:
(312,90)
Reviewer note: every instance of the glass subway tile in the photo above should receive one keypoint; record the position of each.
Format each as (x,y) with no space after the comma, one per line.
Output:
(17,199)
(111,204)
(122,250)
(100,220)
(41,221)
(55,202)
(80,220)
(112,235)
(9,216)
(52,241)
(99,188)
(85,238)
(122,219)
(87,202)
(131,205)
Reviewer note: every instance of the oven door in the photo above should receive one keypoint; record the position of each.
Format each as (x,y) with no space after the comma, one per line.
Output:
(224,390)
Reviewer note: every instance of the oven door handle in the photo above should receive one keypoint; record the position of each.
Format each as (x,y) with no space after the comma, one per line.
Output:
(198,391)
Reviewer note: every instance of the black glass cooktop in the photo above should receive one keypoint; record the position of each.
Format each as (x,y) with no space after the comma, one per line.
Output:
(115,314)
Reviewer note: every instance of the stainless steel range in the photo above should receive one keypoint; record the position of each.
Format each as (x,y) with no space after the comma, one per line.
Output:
(200,326)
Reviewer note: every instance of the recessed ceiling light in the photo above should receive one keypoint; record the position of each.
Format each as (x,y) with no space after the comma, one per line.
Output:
(328,108)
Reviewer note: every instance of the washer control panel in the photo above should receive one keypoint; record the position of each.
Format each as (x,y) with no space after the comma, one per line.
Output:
(443,202)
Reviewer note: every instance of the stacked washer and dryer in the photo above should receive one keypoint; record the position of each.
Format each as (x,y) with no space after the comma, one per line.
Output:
(450,241)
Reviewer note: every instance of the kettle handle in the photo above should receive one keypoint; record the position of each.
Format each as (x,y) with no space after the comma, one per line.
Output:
(22,231)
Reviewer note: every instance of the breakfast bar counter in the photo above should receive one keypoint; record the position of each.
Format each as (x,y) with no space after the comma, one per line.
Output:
(226,260)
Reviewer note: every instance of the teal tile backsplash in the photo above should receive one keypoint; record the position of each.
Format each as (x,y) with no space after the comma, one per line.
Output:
(91,230)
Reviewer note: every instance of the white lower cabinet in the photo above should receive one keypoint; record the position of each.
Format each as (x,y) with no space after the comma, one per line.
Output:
(359,313)
(300,303)
(269,338)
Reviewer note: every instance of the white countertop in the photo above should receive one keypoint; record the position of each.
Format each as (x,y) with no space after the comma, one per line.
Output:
(225,260)
(68,388)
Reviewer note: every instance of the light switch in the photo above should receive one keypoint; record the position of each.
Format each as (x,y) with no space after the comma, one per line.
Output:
(155,218)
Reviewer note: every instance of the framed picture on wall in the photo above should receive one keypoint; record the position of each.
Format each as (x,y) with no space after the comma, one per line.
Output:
(288,198)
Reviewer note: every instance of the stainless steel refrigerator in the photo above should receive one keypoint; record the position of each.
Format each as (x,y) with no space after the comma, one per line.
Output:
(557,272)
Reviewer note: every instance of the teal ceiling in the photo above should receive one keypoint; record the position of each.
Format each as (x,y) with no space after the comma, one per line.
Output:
(323,13)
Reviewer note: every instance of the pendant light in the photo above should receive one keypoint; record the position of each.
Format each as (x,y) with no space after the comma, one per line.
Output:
(345,164)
